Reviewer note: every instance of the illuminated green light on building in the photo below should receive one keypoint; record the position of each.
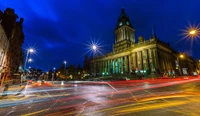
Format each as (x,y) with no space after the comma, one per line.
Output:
(122,72)
(145,71)
(107,73)
(103,73)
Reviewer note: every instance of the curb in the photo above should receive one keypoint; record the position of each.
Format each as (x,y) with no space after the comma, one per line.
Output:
(2,90)
(19,90)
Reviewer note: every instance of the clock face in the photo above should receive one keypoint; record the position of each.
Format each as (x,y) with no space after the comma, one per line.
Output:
(127,23)
(120,24)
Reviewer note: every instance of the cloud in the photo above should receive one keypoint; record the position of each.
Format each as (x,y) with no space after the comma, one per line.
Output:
(61,28)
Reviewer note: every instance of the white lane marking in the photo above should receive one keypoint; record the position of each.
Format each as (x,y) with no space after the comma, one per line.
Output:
(9,113)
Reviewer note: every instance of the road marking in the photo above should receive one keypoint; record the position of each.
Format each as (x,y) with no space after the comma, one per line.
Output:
(163,97)
(9,113)
(33,113)
(149,107)
(114,108)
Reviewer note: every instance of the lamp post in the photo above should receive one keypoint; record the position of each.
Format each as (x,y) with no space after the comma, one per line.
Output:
(47,76)
(28,51)
(26,59)
(65,62)
(53,74)
(94,48)
(193,33)
(30,60)
(181,56)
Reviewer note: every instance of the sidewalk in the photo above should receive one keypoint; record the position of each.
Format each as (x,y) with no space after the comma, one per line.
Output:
(11,90)
(1,89)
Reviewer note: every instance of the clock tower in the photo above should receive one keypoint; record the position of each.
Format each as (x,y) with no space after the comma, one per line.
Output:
(124,32)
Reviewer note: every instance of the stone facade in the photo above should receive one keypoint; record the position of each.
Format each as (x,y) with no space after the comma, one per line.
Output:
(151,56)
(198,66)
(4,43)
(15,35)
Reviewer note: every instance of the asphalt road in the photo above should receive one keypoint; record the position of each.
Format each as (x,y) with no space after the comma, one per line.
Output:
(161,97)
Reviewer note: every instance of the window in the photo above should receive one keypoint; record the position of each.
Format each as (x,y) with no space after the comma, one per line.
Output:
(127,23)
(120,24)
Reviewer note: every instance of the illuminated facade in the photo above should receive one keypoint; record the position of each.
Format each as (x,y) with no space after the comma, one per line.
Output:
(144,56)
(15,35)
(4,43)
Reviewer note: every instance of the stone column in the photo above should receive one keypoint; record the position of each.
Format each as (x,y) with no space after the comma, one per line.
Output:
(122,64)
(157,65)
(147,59)
(109,66)
(153,59)
(126,64)
(104,66)
(118,65)
(135,60)
(130,63)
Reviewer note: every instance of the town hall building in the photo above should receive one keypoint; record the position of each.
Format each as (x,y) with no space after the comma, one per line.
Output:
(145,56)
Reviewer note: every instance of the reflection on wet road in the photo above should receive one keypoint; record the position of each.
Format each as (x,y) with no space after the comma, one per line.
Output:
(170,97)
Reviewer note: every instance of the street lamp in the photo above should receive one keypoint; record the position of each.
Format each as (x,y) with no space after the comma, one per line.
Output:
(30,60)
(26,60)
(47,75)
(65,62)
(28,51)
(31,50)
(53,74)
(181,56)
(192,32)
(94,48)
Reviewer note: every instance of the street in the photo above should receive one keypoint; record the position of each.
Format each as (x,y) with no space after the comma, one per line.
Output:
(153,97)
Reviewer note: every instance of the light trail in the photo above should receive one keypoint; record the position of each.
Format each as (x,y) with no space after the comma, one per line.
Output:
(48,99)
(148,107)
(124,91)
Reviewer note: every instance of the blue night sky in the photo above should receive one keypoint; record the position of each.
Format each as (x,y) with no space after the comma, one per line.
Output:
(59,29)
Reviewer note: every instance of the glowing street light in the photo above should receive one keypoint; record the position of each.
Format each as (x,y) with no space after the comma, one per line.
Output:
(193,32)
(94,47)
(181,56)
(179,60)
(65,62)
(30,60)
(31,50)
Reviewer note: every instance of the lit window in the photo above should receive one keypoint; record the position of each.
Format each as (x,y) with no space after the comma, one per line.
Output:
(127,23)
(120,24)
